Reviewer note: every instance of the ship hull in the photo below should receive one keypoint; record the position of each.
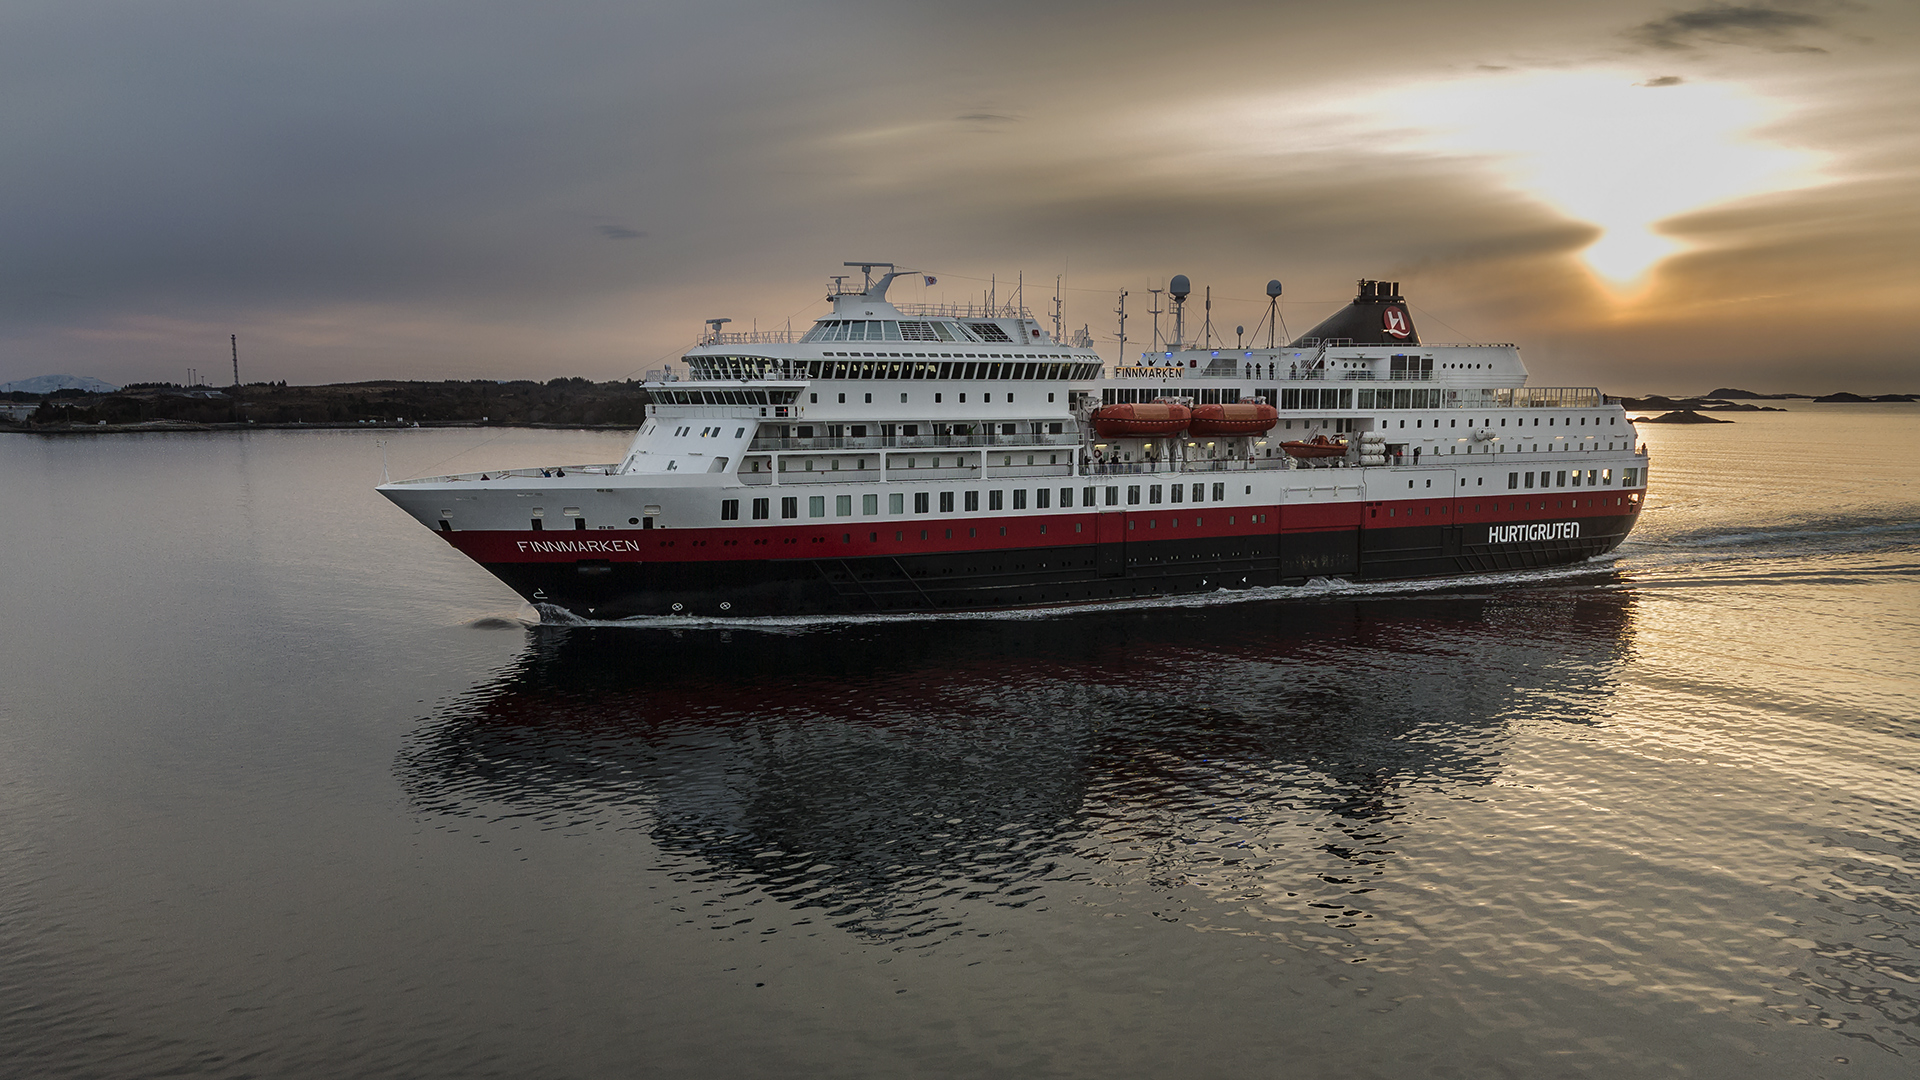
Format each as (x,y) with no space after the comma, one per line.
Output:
(611,576)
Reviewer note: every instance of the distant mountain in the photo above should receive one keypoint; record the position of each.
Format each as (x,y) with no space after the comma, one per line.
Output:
(1685,416)
(1844,396)
(47,384)
(1748,395)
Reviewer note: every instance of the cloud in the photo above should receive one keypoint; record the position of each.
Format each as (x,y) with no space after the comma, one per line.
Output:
(1663,80)
(443,188)
(1728,24)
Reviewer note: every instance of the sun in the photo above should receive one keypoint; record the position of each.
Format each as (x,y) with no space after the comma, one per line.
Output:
(1602,149)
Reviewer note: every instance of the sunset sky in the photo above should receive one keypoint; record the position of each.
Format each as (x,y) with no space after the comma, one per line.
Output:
(1647,197)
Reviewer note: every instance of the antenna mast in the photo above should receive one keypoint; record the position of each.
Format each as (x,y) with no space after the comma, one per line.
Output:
(1122,312)
(1056,307)
(1156,311)
(1180,288)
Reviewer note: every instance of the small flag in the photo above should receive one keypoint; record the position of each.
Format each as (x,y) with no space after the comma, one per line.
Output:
(930,278)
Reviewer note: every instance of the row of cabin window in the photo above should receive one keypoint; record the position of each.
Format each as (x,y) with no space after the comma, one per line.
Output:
(1595,478)
(936,367)
(1125,395)
(970,501)
(725,397)
(814,399)
(1512,507)
(904,330)
(859,431)
(1503,422)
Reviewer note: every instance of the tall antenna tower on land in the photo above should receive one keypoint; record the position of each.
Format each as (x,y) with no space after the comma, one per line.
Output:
(234,340)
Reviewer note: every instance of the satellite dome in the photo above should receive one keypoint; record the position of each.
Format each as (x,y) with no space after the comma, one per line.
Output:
(1273,287)
(1180,286)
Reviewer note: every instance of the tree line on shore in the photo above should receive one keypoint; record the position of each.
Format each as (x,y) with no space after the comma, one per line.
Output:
(563,401)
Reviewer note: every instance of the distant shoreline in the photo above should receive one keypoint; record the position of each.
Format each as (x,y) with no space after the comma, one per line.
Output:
(557,404)
(182,427)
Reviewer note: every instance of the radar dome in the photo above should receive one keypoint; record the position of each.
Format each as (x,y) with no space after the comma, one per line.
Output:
(1180,286)
(1273,287)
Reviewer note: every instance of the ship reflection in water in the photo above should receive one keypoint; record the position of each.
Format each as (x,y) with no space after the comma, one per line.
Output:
(1253,762)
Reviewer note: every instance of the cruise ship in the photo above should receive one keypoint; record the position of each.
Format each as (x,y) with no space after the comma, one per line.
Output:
(900,457)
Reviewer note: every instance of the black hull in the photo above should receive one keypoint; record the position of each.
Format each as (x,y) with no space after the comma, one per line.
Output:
(1043,577)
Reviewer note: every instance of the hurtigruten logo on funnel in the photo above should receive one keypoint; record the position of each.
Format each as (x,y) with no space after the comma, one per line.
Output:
(1520,534)
(1394,322)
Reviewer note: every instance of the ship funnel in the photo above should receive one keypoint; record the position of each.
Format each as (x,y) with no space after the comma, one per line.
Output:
(1377,316)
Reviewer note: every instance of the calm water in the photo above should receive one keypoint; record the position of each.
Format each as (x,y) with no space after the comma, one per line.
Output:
(289,789)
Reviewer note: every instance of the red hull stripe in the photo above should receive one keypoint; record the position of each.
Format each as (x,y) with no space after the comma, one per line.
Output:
(851,537)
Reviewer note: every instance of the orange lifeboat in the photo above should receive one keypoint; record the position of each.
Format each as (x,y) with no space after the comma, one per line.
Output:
(1246,418)
(1127,420)
(1319,447)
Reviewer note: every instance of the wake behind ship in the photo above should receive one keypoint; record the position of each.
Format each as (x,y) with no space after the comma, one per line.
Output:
(900,457)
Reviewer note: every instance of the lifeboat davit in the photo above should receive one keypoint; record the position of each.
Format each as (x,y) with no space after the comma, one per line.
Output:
(1246,418)
(1127,420)
(1318,447)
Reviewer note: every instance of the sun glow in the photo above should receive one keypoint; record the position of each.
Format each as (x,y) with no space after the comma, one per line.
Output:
(1620,156)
